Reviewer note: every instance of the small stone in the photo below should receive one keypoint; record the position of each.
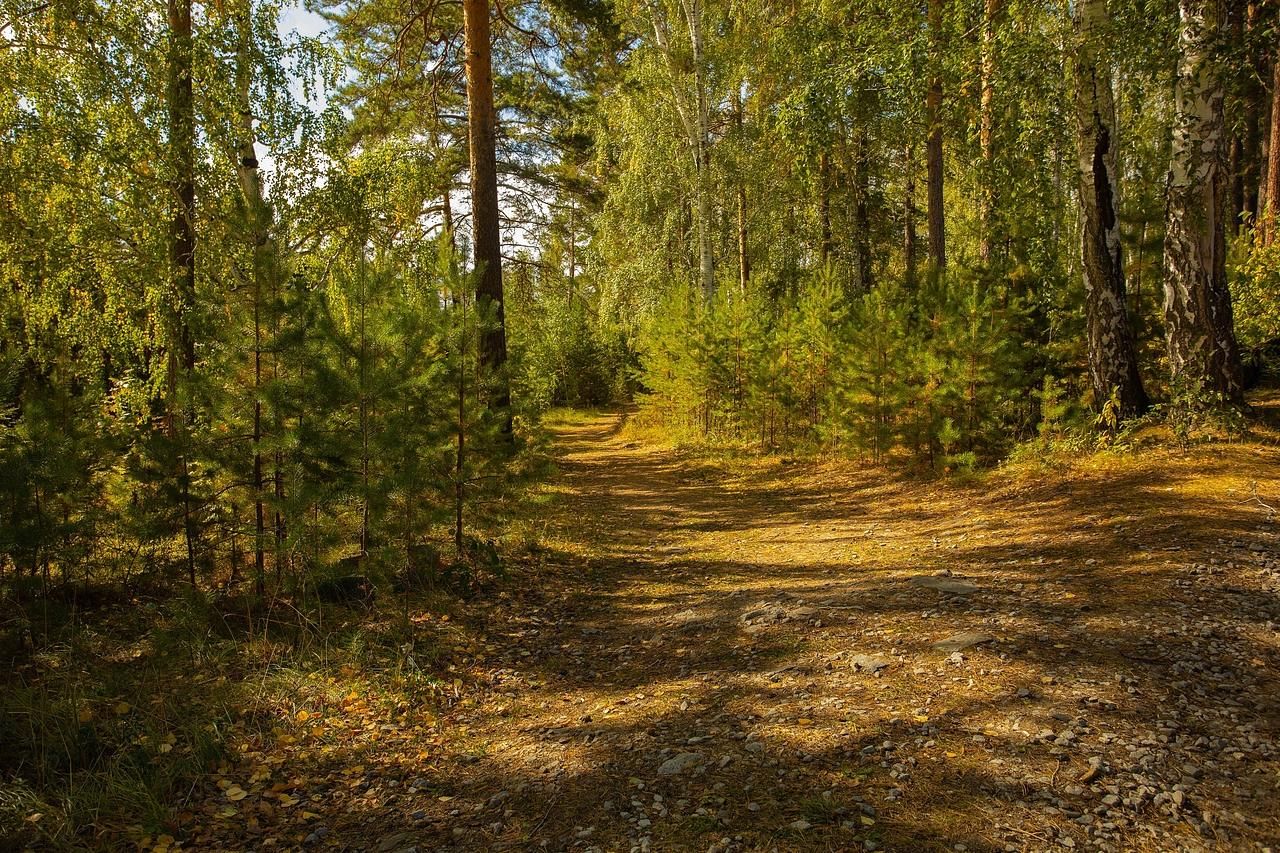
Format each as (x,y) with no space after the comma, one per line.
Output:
(947,585)
(960,642)
(868,663)
(800,825)
(678,764)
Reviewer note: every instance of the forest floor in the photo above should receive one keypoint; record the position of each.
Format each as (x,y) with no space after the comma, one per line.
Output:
(761,656)
(753,655)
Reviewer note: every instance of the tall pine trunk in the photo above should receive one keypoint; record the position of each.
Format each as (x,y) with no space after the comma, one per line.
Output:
(1113,362)
(1267,225)
(989,194)
(482,123)
(909,218)
(861,211)
(1203,353)
(933,148)
(182,247)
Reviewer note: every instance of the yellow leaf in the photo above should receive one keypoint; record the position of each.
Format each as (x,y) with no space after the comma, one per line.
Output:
(166,747)
(287,800)
(303,716)
(235,793)
(86,714)
(122,708)
(866,821)
(804,721)
(922,718)
(229,811)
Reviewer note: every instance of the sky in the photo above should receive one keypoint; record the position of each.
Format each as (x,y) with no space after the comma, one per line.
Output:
(295,17)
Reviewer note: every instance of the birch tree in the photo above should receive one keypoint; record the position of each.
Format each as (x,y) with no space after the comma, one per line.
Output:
(1113,363)
(689,95)
(1203,353)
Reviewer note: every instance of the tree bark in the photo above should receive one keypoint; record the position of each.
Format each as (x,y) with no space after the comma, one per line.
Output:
(693,109)
(861,213)
(933,149)
(182,247)
(182,151)
(702,151)
(482,124)
(1113,362)
(744,259)
(909,219)
(989,193)
(257,232)
(1271,191)
(1203,354)
(824,206)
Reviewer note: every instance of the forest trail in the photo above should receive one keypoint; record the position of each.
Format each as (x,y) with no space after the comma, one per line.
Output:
(710,658)
(696,667)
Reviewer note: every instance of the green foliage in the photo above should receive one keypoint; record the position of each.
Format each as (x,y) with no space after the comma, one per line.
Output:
(565,356)
(1255,289)
(929,372)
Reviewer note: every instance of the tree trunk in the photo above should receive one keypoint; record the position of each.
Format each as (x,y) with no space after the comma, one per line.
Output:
(744,260)
(1271,191)
(909,220)
(861,214)
(257,232)
(824,206)
(933,152)
(573,248)
(482,123)
(182,247)
(693,109)
(1113,362)
(702,150)
(182,151)
(986,131)
(1203,354)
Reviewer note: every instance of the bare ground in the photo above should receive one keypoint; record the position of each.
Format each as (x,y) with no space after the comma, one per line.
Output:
(741,658)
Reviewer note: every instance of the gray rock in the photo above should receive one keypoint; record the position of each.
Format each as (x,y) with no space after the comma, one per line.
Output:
(959,642)
(868,663)
(947,585)
(676,765)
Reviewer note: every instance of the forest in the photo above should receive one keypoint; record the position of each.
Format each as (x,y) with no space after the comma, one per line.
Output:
(718,425)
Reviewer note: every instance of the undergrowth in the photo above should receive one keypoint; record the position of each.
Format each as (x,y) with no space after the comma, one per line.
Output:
(115,717)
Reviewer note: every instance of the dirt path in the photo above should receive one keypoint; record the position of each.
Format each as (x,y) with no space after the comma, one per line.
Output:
(703,660)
